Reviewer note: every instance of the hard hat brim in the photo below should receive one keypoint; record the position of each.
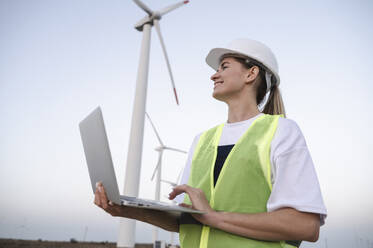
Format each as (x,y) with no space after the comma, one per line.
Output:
(213,60)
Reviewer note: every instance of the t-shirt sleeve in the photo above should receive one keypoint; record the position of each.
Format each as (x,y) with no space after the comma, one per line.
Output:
(188,164)
(295,182)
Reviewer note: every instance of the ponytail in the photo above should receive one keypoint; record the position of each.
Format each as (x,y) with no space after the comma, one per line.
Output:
(274,105)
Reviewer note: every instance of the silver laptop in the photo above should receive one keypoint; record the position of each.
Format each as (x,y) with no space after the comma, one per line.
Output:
(100,166)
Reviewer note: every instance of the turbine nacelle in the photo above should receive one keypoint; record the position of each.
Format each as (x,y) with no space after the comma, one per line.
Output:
(148,19)
(140,24)
(154,15)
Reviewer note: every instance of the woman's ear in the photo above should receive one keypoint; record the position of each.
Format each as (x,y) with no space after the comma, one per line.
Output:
(252,74)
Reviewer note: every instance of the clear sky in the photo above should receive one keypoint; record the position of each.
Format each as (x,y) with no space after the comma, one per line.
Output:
(61,59)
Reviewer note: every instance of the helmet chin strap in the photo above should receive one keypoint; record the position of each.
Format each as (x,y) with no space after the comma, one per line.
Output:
(264,102)
(268,80)
(265,99)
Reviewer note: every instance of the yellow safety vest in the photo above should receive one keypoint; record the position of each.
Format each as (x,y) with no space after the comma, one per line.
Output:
(243,186)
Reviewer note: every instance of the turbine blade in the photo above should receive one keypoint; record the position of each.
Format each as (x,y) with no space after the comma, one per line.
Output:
(158,164)
(172,7)
(168,182)
(144,7)
(157,27)
(155,130)
(174,149)
(179,176)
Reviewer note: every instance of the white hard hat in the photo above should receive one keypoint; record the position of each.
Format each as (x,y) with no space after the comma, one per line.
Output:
(254,50)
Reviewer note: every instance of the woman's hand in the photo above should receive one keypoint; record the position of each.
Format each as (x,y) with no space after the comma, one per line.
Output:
(102,201)
(199,202)
(161,219)
(282,224)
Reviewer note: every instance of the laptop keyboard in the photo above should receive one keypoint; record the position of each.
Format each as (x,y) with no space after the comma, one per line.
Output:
(144,201)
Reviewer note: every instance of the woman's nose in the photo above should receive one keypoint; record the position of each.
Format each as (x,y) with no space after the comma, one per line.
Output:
(214,76)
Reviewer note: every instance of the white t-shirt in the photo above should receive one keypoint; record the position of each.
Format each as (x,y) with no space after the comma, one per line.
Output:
(293,174)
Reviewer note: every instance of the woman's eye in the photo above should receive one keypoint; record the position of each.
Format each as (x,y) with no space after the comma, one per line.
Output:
(224,67)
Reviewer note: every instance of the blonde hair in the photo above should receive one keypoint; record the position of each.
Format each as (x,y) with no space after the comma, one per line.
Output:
(274,104)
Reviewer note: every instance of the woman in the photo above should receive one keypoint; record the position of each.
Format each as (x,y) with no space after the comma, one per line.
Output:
(253,175)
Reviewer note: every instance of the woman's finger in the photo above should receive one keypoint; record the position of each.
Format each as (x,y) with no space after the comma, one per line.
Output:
(102,201)
(97,195)
(97,198)
(179,190)
(103,197)
(185,205)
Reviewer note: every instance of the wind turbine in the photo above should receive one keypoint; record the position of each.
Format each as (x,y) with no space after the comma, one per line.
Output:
(158,170)
(85,233)
(126,235)
(22,228)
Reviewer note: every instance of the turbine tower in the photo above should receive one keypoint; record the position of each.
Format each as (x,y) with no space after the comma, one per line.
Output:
(158,170)
(173,184)
(126,236)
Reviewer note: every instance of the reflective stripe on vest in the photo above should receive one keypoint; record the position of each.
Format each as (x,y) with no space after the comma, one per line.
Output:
(243,186)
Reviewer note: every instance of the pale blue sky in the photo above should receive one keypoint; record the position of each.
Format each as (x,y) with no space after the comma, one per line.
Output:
(61,59)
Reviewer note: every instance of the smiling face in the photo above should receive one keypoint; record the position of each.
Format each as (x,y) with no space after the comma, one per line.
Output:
(231,79)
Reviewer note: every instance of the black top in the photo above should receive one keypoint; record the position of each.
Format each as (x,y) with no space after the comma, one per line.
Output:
(223,152)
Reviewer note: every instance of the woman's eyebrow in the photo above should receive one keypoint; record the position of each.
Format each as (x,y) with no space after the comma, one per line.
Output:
(225,62)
